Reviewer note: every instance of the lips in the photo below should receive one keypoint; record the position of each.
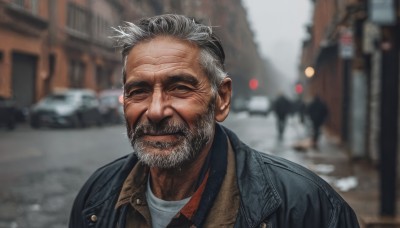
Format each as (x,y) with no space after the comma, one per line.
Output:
(169,139)
(165,131)
(161,135)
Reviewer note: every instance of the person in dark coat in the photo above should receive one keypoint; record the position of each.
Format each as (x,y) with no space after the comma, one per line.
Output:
(317,111)
(282,107)
(186,169)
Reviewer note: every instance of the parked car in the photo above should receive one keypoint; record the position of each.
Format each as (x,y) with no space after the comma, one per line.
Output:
(69,108)
(259,105)
(111,108)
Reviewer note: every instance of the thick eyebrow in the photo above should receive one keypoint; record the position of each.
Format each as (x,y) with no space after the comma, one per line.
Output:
(129,85)
(185,78)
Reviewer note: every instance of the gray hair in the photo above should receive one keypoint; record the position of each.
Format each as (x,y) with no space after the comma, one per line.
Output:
(211,57)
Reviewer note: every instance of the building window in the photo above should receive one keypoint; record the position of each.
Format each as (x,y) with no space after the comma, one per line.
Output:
(34,7)
(76,74)
(103,78)
(78,19)
(20,3)
(28,5)
(101,30)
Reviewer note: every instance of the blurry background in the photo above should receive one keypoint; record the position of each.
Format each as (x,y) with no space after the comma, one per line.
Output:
(64,44)
(60,74)
(279,37)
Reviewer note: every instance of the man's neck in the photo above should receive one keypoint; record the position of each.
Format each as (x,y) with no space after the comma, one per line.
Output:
(178,183)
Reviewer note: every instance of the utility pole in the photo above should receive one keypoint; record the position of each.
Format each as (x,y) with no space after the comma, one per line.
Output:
(389,116)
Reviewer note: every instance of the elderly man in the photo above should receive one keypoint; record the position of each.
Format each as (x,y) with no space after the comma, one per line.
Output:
(186,170)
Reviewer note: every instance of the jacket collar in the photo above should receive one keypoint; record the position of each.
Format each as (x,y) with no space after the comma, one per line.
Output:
(259,197)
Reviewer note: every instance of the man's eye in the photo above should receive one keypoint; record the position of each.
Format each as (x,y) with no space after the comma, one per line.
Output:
(181,88)
(136,92)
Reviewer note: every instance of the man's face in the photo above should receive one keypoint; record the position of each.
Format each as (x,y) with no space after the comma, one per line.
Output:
(168,102)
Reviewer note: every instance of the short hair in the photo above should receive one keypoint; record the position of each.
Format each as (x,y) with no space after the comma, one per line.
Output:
(211,57)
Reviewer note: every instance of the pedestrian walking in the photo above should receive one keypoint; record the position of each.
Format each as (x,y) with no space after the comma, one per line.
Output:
(187,170)
(282,108)
(317,112)
(299,108)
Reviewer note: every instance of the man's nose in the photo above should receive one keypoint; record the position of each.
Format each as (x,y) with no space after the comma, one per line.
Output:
(158,108)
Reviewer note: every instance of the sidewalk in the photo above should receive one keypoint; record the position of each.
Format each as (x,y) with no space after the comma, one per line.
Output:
(356,181)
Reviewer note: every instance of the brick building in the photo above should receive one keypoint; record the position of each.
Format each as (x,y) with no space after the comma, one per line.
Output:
(50,44)
(24,52)
(346,48)
(321,52)
(59,44)
(340,80)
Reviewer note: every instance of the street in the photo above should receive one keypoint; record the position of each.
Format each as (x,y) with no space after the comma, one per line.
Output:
(42,170)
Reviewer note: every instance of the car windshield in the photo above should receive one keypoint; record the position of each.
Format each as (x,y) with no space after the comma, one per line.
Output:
(109,99)
(59,98)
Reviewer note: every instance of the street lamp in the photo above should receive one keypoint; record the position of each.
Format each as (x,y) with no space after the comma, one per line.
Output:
(309,72)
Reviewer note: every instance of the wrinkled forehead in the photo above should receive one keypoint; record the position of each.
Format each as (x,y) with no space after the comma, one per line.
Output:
(162,50)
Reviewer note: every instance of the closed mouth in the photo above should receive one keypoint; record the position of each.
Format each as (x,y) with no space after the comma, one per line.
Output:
(162,133)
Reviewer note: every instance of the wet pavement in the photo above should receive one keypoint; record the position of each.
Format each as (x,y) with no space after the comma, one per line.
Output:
(364,197)
(40,200)
(41,171)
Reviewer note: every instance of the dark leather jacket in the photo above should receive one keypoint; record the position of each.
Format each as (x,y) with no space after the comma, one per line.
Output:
(274,193)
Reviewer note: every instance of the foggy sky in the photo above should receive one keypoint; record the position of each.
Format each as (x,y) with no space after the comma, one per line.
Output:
(279,27)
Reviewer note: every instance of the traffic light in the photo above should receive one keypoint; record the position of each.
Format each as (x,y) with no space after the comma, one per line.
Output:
(299,88)
(253,84)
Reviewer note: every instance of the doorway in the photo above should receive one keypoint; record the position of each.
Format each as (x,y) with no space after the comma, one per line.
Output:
(24,79)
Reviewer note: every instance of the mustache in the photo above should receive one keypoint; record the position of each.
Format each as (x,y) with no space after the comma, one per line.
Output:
(159,129)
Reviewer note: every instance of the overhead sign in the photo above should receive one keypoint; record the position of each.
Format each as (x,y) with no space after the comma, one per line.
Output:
(346,44)
(382,12)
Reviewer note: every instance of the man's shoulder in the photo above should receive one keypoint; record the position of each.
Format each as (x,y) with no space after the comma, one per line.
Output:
(104,181)
(297,189)
(287,176)
(109,170)
(283,170)
(106,174)
(117,163)
(280,175)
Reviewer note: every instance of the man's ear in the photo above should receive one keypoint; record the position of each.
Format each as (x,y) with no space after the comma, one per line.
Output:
(223,101)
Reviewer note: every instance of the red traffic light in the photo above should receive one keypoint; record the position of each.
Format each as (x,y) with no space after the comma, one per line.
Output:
(253,84)
(299,88)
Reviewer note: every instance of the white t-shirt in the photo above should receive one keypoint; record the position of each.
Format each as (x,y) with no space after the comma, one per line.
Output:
(162,211)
